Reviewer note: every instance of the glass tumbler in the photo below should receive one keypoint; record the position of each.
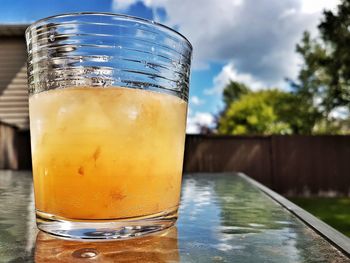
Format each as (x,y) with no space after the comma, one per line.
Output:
(108,102)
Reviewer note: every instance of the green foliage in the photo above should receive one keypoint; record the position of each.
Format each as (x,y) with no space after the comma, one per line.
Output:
(265,112)
(334,29)
(324,79)
(233,91)
(334,211)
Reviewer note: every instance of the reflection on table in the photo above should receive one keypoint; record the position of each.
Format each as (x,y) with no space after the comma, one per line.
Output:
(162,247)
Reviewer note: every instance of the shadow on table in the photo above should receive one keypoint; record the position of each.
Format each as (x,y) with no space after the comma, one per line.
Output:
(162,247)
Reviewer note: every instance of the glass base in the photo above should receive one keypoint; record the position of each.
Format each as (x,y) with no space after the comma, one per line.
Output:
(95,230)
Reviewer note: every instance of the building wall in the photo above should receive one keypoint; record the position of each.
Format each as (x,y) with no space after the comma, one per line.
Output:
(13,82)
(12,58)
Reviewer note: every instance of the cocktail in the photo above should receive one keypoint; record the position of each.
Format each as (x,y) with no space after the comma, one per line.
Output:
(108,103)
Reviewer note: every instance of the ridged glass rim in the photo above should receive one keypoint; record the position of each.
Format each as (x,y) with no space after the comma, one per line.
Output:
(128,17)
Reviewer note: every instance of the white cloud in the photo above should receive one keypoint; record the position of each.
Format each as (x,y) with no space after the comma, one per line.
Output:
(199,118)
(196,101)
(258,37)
(312,6)
(228,73)
(122,5)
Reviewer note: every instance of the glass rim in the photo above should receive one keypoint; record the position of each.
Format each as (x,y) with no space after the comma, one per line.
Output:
(129,17)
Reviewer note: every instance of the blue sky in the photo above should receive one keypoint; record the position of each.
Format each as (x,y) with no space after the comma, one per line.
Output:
(244,40)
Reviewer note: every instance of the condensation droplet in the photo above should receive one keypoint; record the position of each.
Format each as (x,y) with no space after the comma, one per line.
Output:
(174,63)
(52,37)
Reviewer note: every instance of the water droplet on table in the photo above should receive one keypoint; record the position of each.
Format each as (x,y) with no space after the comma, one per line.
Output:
(85,253)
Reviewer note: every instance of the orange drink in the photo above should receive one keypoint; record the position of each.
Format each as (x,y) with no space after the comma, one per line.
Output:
(106,153)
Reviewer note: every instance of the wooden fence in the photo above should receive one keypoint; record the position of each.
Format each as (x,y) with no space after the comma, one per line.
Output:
(291,165)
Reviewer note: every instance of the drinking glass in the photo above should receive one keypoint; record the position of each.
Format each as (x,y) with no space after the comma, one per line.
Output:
(108,104)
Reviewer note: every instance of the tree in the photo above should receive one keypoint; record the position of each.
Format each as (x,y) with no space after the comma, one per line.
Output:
(324,79)
(265,112)
(334,29)
(233,91)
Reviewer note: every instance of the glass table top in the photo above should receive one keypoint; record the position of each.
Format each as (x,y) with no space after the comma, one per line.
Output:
(223,218)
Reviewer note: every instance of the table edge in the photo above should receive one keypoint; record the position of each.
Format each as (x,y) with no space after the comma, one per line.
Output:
(337,239)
